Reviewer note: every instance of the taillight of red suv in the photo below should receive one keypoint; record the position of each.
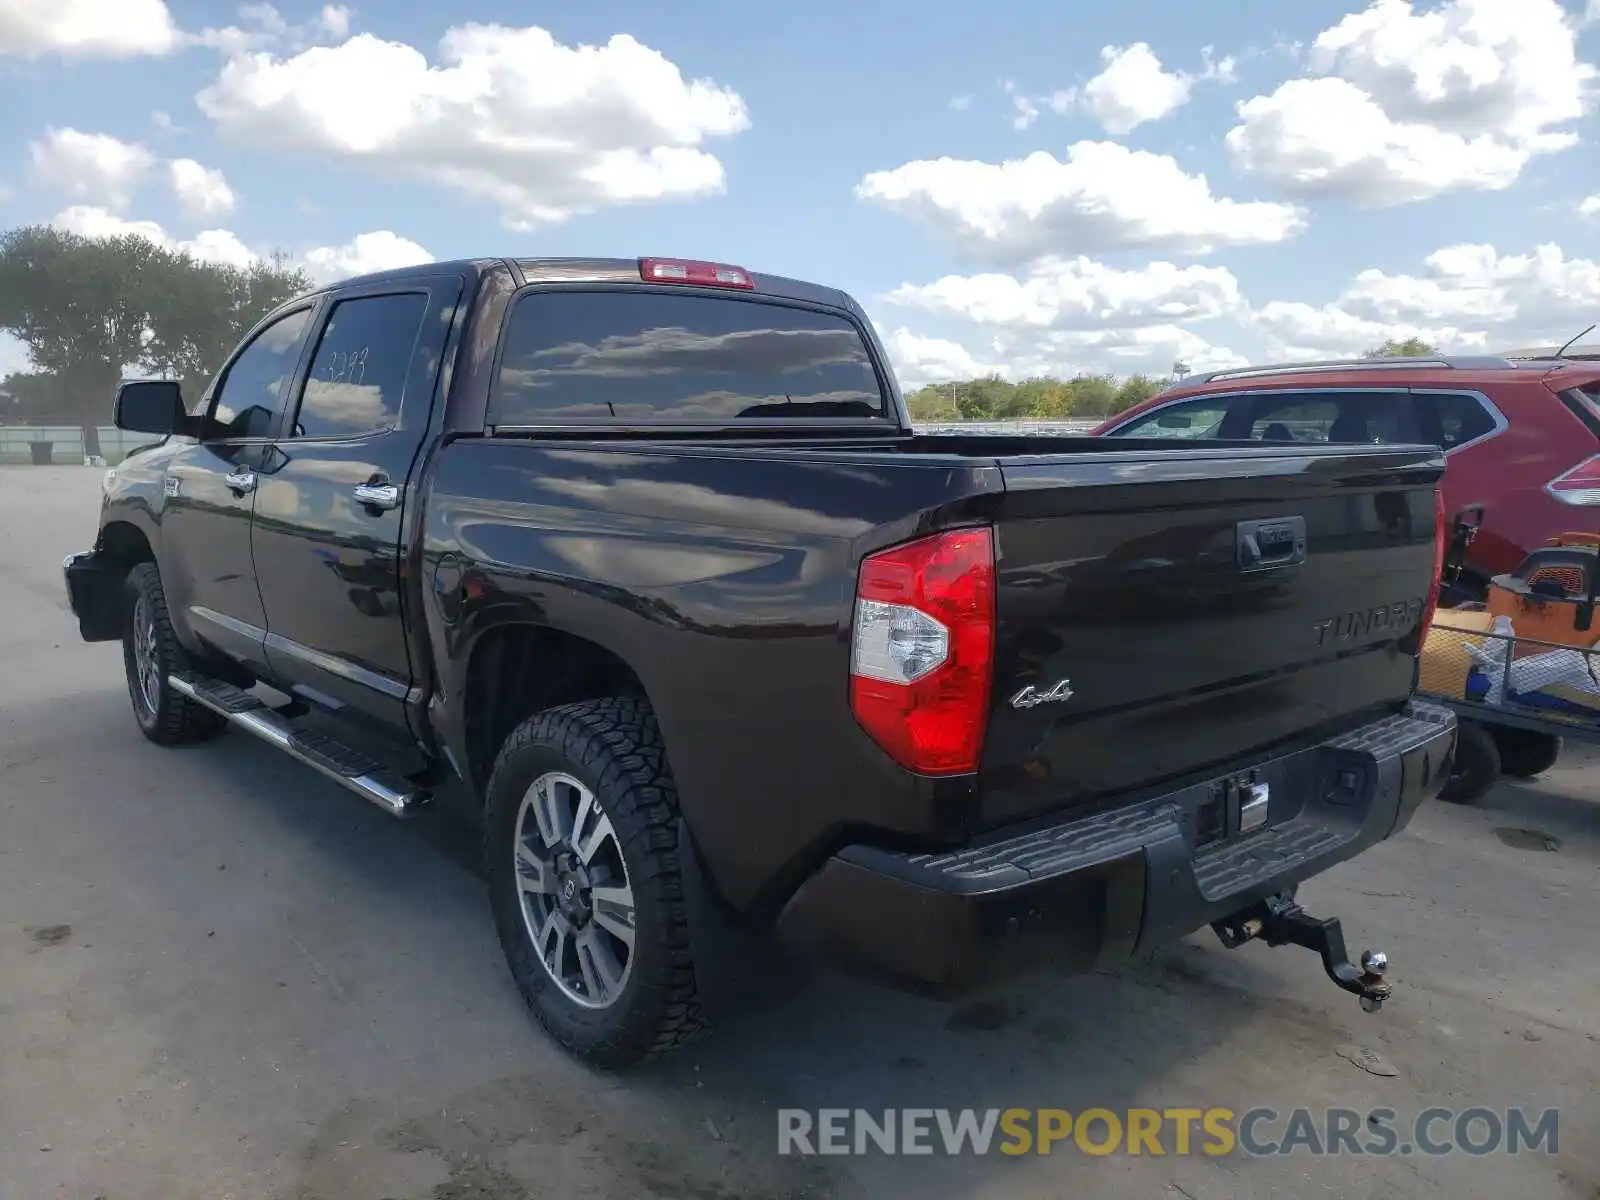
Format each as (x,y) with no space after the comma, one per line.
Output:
(1581,485)
(922,650)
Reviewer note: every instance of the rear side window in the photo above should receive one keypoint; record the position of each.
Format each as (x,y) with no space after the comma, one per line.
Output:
(1303,419)
(1585,405)
(626,356)
(1319,417)
(1339,418)
(359,370)
(1186,421)
(1461,418)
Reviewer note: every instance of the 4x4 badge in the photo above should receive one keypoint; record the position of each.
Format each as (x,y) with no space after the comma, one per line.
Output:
(1032,697)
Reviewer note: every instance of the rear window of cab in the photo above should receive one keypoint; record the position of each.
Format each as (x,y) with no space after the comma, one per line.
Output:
(632,356)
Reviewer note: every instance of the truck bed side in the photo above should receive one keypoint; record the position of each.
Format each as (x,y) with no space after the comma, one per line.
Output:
(723,577)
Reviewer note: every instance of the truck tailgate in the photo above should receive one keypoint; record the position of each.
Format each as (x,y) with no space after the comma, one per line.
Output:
(1163,613)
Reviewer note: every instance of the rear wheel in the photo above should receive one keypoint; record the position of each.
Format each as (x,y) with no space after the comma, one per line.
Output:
(150,654)
(1525,753)
(1475,767)
(581,848)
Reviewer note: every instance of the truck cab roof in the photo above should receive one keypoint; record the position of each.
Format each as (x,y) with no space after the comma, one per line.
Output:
(597,270)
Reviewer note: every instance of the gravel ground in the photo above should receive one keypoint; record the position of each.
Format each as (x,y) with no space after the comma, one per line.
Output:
(222,977)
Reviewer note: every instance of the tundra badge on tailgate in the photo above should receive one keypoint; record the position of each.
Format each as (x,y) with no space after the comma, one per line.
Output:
(1032,697)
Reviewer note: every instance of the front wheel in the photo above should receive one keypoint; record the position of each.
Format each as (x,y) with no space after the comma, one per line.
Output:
(582,857)
(1525,753)
(1475,767)
(151,654)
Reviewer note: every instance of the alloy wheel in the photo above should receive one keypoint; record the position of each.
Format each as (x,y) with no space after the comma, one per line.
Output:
(146,657)
(577,899)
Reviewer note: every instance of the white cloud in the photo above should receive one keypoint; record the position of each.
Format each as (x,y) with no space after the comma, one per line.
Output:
(1407,104)
(380,250)
(201,191)
(1590,206)
(219,246)
(335,20)
(962,103)
(211,245)
(1025,109)
(1078,294)
(1139,349)
(86,220)
(1296,330)
(1070,316)
(921,360)
(367,252)
(1103,197)
(94,167)
(509,116)
(1529,293)
(86,28)
(1065,316)
(1466,297)
(1134,87)
(263,27)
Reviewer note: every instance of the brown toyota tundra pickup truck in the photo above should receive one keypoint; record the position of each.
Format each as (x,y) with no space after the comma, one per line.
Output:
(737,669)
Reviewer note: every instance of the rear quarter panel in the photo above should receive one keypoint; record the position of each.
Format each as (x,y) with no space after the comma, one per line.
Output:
(725,577)
(1507,474)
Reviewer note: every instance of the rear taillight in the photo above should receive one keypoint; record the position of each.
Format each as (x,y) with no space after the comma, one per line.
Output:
(922,650)
(1441,539)
(1581,485)
(701,274)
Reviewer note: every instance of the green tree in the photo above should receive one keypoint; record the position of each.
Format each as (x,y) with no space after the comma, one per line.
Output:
(91,309)
(1135,389)
(28,397)
(1411,347)
(1085,397)
(1092,396)
(934,402)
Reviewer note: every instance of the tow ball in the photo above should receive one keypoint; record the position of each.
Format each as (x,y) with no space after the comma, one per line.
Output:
(1279,921)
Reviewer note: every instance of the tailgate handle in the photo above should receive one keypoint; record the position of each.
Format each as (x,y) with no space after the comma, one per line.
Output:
(1263,545)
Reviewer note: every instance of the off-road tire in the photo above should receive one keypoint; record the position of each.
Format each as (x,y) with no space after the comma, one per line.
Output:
(173,719)
(1525,753)
(614,748)
(1476,766)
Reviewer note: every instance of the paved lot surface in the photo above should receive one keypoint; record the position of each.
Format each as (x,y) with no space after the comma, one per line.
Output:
(221,977)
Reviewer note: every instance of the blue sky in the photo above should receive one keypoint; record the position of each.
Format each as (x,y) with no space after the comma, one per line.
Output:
(1004,187)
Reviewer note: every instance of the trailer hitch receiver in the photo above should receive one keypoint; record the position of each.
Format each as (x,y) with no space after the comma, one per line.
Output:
(1279,921)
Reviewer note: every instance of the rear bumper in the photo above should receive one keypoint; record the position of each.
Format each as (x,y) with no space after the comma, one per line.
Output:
(1090,892)
(96,594)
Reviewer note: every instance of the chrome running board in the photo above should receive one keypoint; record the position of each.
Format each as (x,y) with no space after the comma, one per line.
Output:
(362,774)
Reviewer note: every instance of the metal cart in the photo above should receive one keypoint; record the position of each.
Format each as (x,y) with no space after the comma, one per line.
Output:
(1521,669)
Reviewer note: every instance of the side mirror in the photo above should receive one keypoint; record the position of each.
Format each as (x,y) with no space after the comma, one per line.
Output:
(149,406)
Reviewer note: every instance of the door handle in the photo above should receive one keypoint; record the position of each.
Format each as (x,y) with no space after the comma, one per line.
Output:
(384,496)
(241,481)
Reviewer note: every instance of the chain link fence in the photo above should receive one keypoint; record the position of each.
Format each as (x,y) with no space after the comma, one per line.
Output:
(45,444)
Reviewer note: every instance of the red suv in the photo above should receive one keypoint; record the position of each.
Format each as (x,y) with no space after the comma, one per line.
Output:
(1522,438)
